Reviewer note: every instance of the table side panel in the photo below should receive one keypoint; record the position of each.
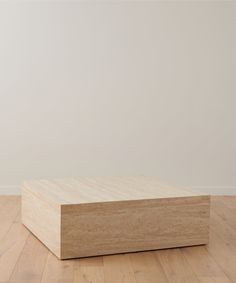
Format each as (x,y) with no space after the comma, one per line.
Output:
(126,226)
(42,219)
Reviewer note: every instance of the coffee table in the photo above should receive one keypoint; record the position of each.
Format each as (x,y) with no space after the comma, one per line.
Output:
(84,217)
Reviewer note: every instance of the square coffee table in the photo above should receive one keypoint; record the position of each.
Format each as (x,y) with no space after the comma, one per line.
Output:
(106,215)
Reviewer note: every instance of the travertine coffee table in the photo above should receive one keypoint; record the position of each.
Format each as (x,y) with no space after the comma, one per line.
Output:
(97,216)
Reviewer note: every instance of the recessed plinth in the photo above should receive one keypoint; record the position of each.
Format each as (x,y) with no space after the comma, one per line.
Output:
(97,216)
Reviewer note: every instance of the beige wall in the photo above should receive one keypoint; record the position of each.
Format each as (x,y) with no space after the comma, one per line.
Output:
(119,88)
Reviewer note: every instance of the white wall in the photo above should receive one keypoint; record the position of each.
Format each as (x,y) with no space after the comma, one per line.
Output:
(119,88)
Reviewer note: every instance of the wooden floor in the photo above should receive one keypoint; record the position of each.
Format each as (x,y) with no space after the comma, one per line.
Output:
(24,259)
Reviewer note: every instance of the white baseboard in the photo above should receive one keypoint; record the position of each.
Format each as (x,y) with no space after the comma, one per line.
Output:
(212,190)
(10,190)
(216,190)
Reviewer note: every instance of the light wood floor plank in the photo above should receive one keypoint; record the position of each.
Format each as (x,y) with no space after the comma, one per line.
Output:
(224,254)
(88,270)
(5,199)
(176,267)
(58,271)
(147,268)
(30,265)
(222,229)
(118,268)
(8,212)
(226,214)
(204,265)
(229,201)
(11,247)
